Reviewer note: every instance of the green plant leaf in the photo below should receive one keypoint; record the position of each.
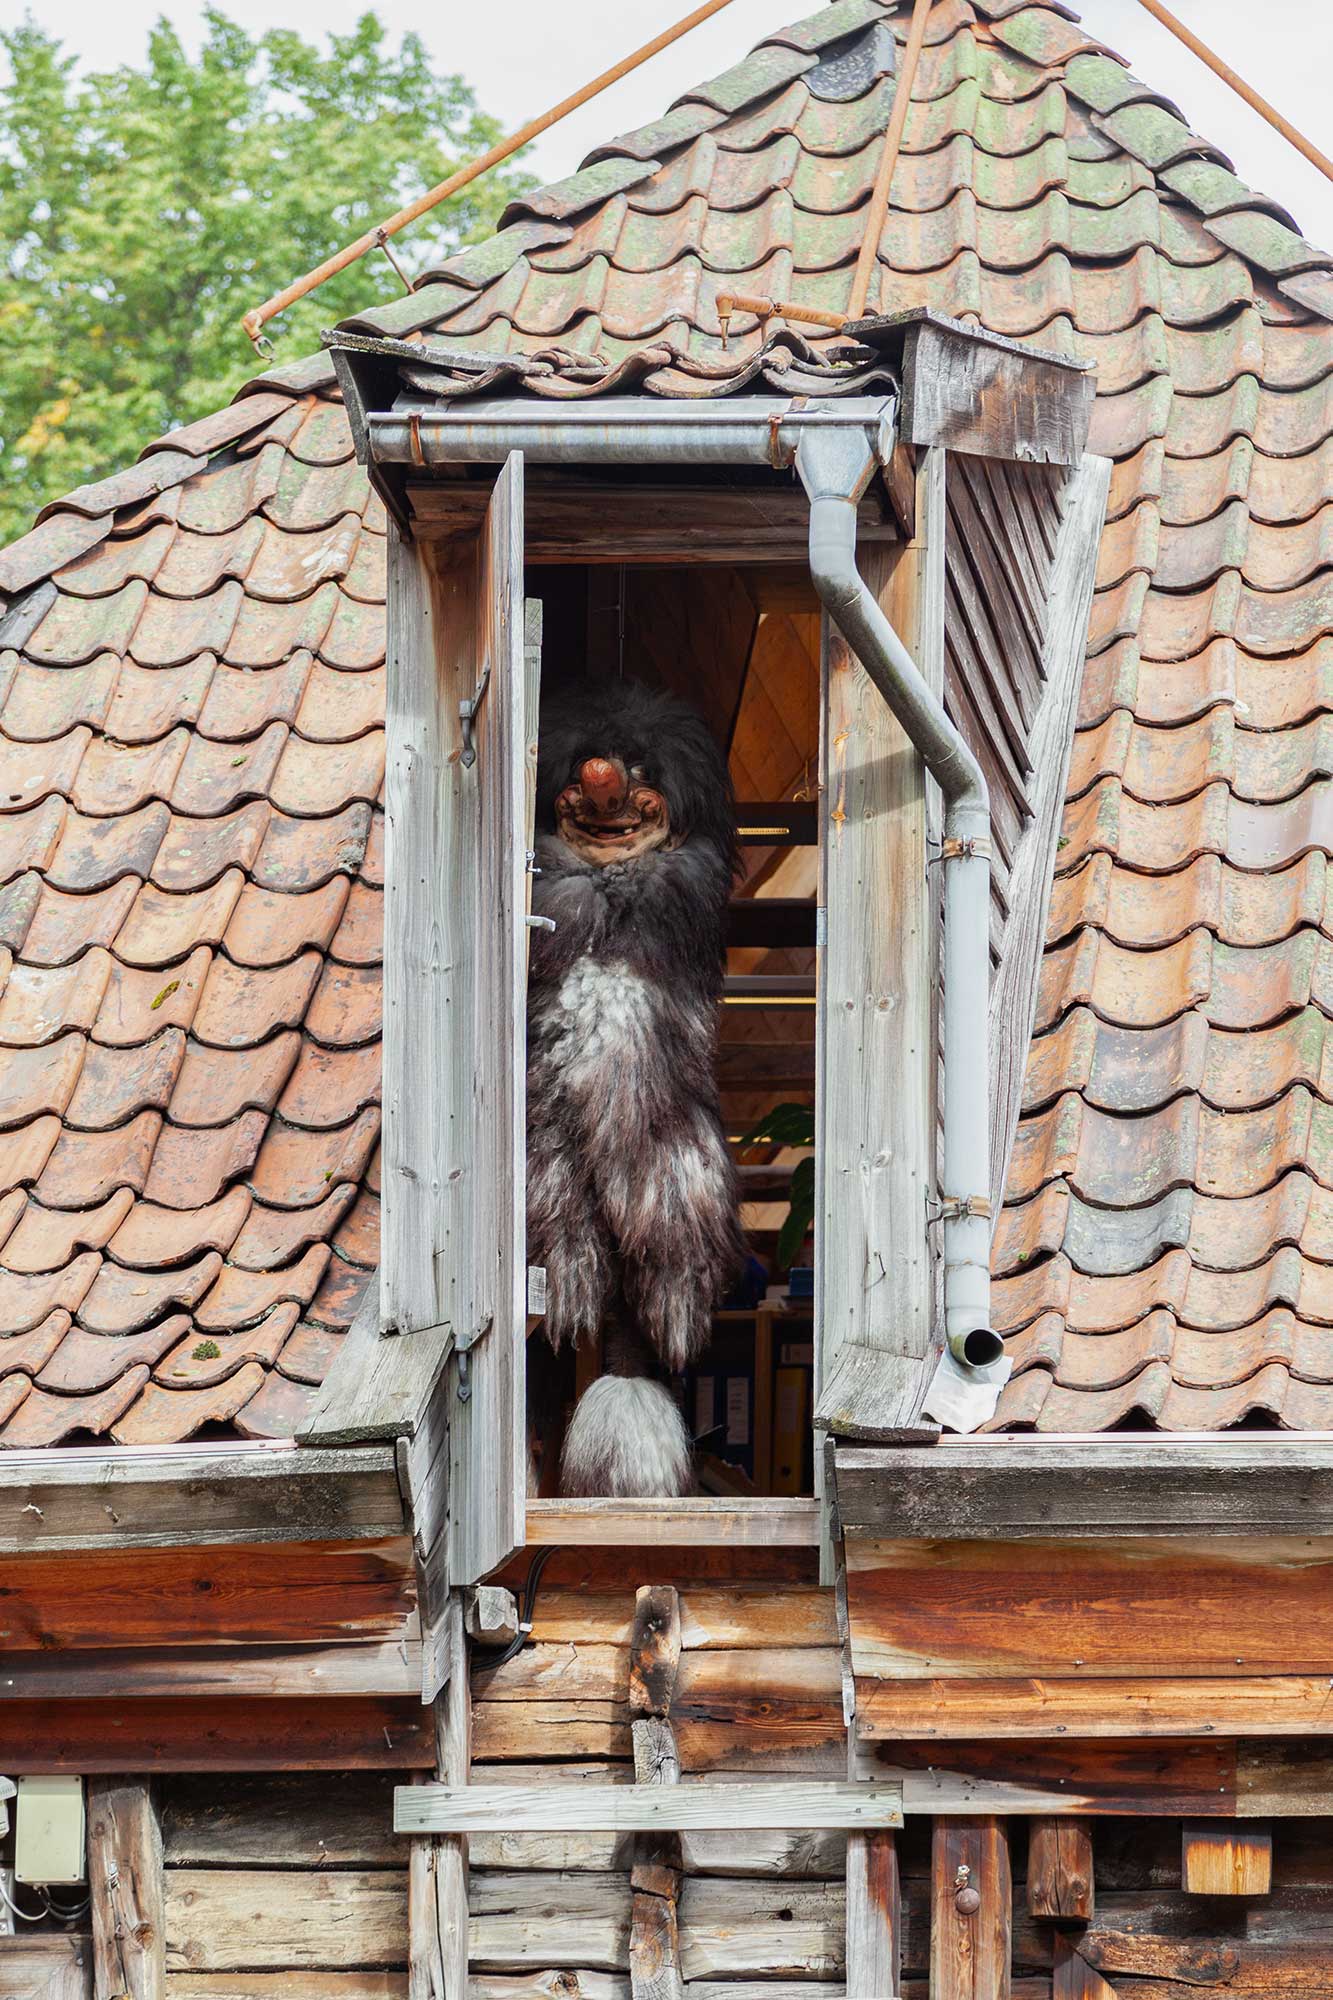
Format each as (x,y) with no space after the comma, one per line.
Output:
(800,1213)
(784,1125)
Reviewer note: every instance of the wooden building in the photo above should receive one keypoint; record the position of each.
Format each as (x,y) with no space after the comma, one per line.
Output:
(963,1676)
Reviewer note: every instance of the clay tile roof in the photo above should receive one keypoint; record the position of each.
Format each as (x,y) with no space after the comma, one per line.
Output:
(191,752)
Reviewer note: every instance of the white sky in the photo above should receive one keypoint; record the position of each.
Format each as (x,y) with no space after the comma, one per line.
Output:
(523,58)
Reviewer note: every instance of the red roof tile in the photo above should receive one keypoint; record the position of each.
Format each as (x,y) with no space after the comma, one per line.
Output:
(191,751)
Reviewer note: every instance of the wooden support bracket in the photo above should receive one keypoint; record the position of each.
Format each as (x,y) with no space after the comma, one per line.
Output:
(1226,1861)
(1060,1873)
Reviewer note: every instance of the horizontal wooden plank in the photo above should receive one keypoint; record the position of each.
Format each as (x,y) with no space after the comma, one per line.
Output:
(285,1986)
(279,1821)
(644,1808)
(555,1984)
(754,1852)
(377,1667)
(195,1496)
(717,1678)
(1107,1608)
(945,1710)
(232,1594)
(593,1569)
(710,1619)
(242,1919)
(1147,1777)
(1010,1488)
(295,1734)
(709,1522)
(727,1928)
(591,521)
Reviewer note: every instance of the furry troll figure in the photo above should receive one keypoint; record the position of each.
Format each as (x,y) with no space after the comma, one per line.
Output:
(632,1202)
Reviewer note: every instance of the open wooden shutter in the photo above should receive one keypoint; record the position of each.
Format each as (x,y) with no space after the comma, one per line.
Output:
(484,977)
(462,718)
(875,1281)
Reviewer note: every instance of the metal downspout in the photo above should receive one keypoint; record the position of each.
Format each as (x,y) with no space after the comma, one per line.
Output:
(836,469)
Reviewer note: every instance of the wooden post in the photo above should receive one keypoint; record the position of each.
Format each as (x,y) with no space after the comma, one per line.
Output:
(971,1899)
(437,1915)
(1225,1860)
(874,1916)
(1060,1874)
(126,1890)
(1074,1978)
(654,1946)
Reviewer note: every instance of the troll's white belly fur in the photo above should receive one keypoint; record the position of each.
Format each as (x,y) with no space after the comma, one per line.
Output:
(600,1022)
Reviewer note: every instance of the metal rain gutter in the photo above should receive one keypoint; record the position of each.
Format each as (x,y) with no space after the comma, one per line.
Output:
(835,447)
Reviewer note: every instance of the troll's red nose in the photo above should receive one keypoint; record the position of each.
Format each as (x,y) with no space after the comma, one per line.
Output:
(603,784)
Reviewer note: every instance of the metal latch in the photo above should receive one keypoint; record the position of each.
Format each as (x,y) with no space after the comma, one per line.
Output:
(467,715)
(461,1347)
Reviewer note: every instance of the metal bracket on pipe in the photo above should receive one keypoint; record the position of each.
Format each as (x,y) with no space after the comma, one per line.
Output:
(965,850)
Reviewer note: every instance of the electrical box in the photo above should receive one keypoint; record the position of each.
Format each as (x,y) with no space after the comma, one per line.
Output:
(49,1838)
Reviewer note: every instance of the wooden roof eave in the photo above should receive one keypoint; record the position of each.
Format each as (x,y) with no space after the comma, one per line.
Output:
(196,1495)
(1023,1487)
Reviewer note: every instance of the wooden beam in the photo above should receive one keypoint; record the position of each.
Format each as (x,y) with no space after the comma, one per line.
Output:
(231,1593)
(437,1908)
(1166,1705)
(674,1524)
(655,1877)
(1149,1778)
(1017,1488)
(1074,1978)
(981,393)
(195,1496)
(1060,1873)
(126,1889)
(573,520)
(641,1808)
(971,1914)
(1102,1612)
(1226,1861)
(387,1667)
(874,1914)
(298,1734)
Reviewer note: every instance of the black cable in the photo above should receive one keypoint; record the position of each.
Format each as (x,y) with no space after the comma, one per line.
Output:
(491,1657)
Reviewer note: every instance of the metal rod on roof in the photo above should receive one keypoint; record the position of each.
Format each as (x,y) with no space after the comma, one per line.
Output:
(878,206)
(1239,85)
(258,317)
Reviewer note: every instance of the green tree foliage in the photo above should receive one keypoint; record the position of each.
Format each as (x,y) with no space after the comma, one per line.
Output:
(144,209)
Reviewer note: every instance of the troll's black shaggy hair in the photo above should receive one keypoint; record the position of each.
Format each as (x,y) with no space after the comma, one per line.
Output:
(632,1201)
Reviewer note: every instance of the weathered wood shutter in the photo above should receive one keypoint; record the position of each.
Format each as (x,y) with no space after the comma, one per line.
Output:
(462,717)
(875,1281)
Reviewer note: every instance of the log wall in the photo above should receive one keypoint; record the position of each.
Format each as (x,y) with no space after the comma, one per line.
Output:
(283,1888)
